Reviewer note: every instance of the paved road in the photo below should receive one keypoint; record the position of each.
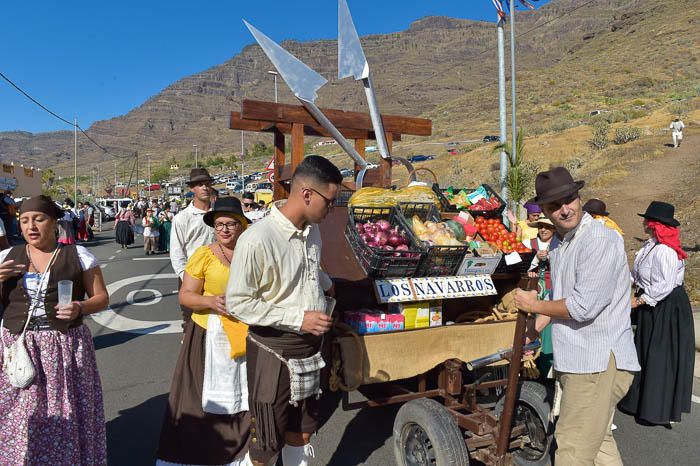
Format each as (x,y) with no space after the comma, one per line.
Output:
(138,340)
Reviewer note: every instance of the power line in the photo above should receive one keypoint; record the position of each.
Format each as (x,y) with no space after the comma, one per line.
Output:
(488,50)
(59,117)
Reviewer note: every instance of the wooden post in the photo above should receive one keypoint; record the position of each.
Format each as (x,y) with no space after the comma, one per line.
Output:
(297,144)
(360,148)
(385,165)
(279,190)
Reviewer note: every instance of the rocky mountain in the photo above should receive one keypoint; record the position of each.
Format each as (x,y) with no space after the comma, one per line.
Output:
(570,53)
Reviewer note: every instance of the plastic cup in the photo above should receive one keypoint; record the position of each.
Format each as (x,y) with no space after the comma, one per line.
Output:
(330,305)
(65,292)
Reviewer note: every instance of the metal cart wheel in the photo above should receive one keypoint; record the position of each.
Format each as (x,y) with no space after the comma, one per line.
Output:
(426,434)
(532,409)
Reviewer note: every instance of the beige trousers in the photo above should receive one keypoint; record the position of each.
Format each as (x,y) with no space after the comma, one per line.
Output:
(588,403)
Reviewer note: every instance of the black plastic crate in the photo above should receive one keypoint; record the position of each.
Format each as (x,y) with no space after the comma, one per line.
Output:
(438,260)
(379,263)
(343,197)
(448,207)
(520,267)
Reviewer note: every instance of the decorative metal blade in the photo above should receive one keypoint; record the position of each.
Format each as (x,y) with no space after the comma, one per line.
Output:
(302,80)
(351,57)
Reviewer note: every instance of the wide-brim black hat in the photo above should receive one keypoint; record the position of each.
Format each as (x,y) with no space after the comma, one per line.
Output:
(197,175)
(596,207)
(661,212)
(227,205)
(554,185)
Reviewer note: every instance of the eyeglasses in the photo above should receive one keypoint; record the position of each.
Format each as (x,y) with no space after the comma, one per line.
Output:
(329,202)
(226,226)
(248,204)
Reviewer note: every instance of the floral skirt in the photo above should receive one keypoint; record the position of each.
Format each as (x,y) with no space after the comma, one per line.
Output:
(59,418)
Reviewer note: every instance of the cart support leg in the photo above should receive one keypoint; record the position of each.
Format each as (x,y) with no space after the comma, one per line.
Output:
(511,390)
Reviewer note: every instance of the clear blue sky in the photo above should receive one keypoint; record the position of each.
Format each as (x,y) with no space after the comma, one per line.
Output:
(99,59)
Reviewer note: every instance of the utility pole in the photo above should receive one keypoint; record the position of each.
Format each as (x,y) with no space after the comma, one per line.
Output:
(514,127)
(196,158)
(502,108)
(115,175)
(75,160)
(149,177)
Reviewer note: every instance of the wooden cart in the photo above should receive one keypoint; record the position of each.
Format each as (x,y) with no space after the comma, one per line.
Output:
(457,407)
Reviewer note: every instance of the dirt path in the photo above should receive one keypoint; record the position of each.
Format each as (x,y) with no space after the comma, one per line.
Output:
(672,177)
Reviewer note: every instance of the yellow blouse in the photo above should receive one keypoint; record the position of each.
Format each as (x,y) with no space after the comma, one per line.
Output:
(528,231)
(205,266)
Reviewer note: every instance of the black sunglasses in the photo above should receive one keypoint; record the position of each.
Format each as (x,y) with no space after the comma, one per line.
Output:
(329,202)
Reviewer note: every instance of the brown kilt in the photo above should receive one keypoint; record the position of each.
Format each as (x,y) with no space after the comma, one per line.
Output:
(189,435)
(269,390)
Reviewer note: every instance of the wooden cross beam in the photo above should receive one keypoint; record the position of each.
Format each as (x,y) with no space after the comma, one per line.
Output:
(281,119)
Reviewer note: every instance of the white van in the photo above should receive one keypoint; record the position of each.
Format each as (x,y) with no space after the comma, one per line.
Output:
(110,206)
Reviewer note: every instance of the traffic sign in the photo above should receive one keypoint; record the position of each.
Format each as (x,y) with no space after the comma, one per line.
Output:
(271,177)
(271,164)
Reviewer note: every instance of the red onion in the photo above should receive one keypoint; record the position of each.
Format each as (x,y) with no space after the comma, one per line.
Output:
(383,225)
(402,247)
(380,238)
(370,228)
(365,237)
(360,227)
(372,244)
(394,240)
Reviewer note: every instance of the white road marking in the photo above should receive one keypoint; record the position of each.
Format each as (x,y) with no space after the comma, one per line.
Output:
(150,258)
(696,399)
(157,297)
(111,258)
(102,266)
(119,251)
(113,321)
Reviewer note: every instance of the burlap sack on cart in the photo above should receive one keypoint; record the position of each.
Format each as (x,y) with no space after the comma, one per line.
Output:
(401,355)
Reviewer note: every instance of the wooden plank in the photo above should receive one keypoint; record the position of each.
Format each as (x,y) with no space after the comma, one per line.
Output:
(279,188)
(284,113)
(297,144)
(257,126)
(385,165)
(360,148)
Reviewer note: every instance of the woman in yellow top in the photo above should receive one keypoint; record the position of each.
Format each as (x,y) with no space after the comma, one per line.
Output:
(203,425)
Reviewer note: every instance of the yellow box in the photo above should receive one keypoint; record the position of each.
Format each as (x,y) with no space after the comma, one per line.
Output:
(422,314)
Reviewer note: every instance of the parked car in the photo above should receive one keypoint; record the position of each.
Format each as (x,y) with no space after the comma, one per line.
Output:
(420,158)
(223,192)
(491,138)
(346,172)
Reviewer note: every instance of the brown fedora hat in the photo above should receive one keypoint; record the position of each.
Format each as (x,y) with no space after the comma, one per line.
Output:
(596,207)
(197,175)
(555,184)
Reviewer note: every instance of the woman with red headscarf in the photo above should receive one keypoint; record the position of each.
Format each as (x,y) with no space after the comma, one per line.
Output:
(664,338)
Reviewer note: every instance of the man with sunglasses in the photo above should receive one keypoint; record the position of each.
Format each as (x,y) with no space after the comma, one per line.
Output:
(277,287)
(188,231)
(250,207)
(594,352)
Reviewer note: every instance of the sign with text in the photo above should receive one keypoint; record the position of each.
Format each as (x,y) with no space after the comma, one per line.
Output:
(398,290)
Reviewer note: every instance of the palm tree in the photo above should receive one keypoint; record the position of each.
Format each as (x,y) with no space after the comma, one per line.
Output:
(517,179)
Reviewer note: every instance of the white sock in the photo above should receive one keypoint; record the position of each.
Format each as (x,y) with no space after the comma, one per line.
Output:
(297,456)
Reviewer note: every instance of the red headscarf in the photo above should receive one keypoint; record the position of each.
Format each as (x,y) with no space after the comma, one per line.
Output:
(668,235)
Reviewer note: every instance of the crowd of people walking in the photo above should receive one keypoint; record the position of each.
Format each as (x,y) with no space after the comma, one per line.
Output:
(246,386)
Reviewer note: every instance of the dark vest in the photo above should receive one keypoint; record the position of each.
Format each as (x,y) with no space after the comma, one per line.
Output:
(14,299)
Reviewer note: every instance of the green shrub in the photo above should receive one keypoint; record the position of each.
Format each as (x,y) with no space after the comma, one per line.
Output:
(625,134)
(574,164)
(600,135)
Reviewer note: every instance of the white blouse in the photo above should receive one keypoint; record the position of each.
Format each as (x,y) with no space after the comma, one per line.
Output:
(657,270)
(32,279)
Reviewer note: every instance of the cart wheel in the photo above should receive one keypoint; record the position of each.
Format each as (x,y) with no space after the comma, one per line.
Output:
(532,409)
(426,434)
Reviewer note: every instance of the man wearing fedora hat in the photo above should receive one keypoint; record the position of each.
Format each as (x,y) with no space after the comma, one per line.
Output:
(594,353)
(599,211)
(188,231)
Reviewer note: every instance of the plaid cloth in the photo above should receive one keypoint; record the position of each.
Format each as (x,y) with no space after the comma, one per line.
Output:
(304,374)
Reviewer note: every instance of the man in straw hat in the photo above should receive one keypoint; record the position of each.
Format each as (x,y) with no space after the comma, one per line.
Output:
(188,231)
(594,353)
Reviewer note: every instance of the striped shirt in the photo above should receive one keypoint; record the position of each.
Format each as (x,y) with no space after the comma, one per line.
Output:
(590,272)
(657,270)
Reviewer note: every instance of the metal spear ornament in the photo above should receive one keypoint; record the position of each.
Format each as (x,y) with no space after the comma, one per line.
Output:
(353,62)
(305,83)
